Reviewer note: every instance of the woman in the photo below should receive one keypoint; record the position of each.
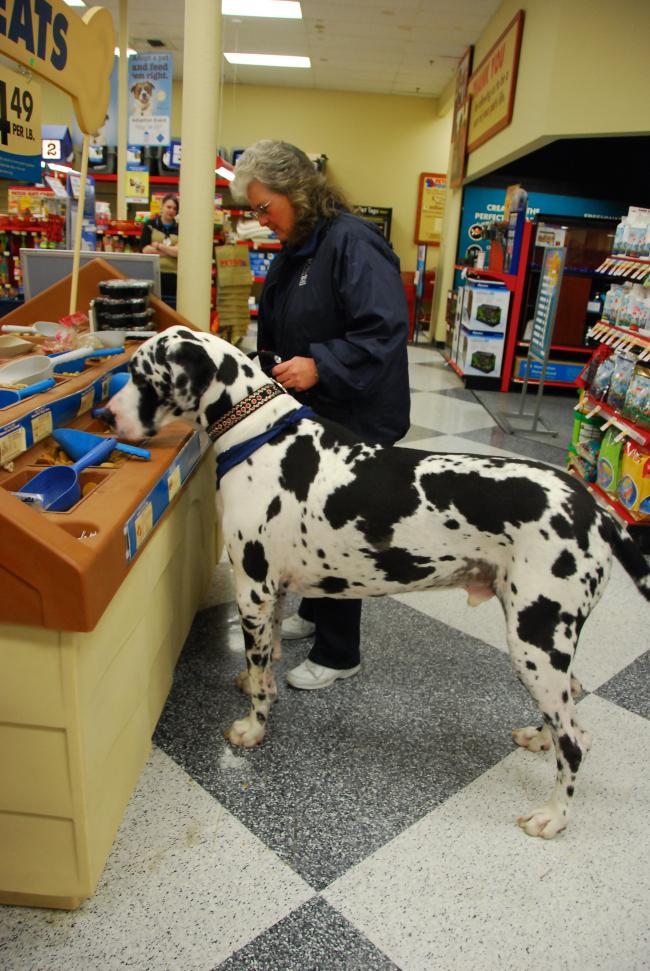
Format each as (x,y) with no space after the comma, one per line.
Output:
(160,235)
(333,308)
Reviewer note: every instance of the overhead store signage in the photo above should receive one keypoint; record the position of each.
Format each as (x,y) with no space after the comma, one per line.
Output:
(74,53)
(20,127)
(492,86)
(150,99)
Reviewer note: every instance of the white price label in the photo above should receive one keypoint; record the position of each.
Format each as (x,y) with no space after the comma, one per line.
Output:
(87,399)
(12,443)
(143,525)
(41,425)
(174,481)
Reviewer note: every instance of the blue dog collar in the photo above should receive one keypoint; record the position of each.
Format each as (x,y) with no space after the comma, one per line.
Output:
(238,453)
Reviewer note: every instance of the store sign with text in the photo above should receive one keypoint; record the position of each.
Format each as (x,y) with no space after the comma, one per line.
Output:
(74,53)
(492,86)
(20,127)
(150,99)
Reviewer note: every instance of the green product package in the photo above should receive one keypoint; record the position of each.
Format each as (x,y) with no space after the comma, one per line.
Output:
(609,461)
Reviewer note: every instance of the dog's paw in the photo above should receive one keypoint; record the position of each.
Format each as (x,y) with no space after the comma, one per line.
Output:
(245,733)
(534,739)
(545,822)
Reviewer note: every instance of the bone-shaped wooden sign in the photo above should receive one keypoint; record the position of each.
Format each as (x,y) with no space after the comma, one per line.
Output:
(74,53)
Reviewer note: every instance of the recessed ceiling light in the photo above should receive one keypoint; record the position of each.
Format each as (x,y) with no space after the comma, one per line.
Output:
(268,60)
(75,3)
(287,9)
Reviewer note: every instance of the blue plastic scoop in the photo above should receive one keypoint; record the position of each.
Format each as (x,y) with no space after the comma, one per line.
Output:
(76,443)
(9,397)
(59,485)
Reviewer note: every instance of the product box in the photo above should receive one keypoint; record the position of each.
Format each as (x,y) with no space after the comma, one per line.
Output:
(485,306)
(634,483)
(480,352)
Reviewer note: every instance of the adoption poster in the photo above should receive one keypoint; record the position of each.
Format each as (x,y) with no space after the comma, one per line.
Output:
(150,99)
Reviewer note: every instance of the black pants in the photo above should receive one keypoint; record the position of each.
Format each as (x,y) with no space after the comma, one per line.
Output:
(338,631)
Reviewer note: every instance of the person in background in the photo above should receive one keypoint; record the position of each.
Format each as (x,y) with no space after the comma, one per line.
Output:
(160,235)
(333,308)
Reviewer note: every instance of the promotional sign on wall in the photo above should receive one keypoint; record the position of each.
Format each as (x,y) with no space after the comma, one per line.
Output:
(492,86)
(431,206)
(137,183)
(150,99)
(20,127)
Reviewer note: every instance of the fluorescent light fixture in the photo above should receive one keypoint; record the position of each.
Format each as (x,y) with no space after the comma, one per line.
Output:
(286,9)
(268,60)
(129,52)
(75,3)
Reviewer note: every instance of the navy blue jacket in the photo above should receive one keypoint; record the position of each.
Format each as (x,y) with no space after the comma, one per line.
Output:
(339,299)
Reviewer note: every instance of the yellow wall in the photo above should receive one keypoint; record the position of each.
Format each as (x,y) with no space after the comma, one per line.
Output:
(376,145)
(582,71)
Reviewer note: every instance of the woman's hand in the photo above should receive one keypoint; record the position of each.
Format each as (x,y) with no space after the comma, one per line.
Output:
(296,374)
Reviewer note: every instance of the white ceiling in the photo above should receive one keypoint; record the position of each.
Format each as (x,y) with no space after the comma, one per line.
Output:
(404,47)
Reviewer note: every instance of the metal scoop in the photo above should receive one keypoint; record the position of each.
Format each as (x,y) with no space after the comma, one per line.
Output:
(59,485)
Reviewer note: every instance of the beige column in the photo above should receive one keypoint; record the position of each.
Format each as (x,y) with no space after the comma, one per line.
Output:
(201,73)
(122,107)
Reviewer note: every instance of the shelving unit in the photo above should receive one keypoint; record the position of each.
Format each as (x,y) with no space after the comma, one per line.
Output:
(618,339)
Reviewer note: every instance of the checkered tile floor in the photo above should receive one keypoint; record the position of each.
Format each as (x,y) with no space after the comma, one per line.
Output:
(375,827)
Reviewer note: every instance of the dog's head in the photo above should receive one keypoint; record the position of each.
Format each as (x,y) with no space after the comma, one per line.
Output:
(181,373)
(142,92)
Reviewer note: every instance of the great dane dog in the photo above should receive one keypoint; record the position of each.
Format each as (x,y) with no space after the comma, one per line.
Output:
(309,508)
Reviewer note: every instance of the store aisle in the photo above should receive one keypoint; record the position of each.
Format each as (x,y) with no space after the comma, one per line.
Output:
(375,828)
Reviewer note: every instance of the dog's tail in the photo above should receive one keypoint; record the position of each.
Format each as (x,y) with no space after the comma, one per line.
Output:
(627,553)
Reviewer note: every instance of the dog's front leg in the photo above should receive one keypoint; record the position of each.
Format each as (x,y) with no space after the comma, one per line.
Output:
(257,620)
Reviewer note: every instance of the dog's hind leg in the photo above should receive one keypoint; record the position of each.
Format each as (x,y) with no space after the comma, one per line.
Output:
(258,619)
(538,738)
(542,648)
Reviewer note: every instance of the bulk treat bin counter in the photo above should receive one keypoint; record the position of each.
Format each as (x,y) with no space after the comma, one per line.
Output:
(95,604)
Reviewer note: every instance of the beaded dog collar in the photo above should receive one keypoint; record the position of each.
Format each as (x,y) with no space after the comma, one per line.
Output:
(243,409)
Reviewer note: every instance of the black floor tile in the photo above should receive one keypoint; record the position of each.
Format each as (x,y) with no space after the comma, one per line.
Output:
(344,770)
(313,938)
(631,687)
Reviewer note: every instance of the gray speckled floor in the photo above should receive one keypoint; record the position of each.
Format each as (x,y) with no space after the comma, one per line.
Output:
(375,827)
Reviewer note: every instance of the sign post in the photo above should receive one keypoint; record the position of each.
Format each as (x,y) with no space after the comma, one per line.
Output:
(548,297)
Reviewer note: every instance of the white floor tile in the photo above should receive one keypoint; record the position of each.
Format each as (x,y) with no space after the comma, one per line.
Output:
(423,354)
(433,378)
(443,413)
(184,887)
(454,443)
(465,889)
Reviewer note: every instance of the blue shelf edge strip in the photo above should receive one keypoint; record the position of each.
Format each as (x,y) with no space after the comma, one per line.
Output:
(141,523)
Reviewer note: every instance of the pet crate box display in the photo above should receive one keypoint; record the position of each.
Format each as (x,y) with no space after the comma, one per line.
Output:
(95,604)
(480,352)
(485,306)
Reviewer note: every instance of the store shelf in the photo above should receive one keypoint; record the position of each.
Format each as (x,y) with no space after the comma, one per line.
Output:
(154,179)
(626,267)
(620,338)
(613,417)
(615,506)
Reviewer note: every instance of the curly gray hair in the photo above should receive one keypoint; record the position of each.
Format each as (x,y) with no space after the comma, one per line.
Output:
(287,170)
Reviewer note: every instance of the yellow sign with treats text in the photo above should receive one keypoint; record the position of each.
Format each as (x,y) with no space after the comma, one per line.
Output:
(491,87)
(74,53)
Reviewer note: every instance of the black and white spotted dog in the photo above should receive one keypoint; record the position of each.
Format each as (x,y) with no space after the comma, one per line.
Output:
(309,508)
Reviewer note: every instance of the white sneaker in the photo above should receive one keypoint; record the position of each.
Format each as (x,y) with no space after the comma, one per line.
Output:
(311,676)
(295,627)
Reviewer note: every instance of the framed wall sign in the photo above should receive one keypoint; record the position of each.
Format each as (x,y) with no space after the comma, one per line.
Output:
(492,86)
(460,119)
(431,204)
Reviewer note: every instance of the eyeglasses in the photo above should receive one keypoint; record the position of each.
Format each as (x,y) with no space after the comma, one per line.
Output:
(262,209)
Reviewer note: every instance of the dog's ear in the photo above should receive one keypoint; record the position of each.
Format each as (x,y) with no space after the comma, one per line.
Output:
(149,86)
